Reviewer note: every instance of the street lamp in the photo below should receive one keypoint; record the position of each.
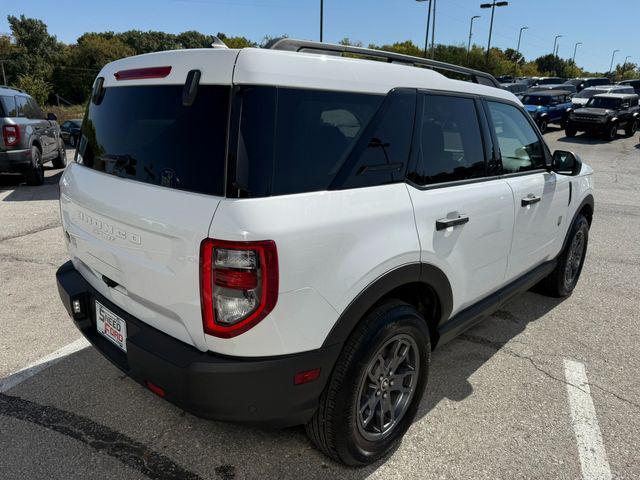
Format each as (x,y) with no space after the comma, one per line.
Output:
(321,17)
(433,29)
(573,65)
(612,57)
(492,6)
(426,38)
(555,42)
(470,34)
(515,67)
(624,66)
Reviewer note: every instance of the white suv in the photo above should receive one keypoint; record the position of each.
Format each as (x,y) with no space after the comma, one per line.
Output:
(281,236)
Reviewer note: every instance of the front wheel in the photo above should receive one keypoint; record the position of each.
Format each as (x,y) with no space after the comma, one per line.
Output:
(543,126)
(34,176)
(612,132)
(563,279)
(570,131)
(376,386)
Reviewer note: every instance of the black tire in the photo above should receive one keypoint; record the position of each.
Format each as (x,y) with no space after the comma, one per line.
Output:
(337,427)
(559,283)
(631,129)
(72,140)
(61,160)
(612,132)
(543,126)
(35,175)
(570,131)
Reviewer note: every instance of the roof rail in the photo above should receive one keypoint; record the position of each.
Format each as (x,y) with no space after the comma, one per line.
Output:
(292,45)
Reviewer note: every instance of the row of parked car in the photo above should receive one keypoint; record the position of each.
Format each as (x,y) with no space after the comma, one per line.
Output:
(592,105)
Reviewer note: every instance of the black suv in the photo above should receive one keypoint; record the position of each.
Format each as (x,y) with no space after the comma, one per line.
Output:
(606,114)
(29,137)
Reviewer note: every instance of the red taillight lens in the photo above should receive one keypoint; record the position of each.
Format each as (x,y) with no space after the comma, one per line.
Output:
(142,73)
(154,388)
(11,135)
(238,285)
(306,377)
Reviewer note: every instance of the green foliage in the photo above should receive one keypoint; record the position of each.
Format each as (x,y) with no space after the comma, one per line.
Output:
(35,86)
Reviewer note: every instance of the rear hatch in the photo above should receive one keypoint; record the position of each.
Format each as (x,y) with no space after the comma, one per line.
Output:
(148,177)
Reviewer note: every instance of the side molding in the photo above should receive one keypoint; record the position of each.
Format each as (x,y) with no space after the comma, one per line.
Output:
(429,275)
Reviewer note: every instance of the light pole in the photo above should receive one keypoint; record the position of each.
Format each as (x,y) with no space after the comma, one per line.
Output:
(515,67)
(426,37)
(321,17)
(612,57)
(624,66)
(492,6)
(433,29)
(470,35)
(573,62)
(555,42)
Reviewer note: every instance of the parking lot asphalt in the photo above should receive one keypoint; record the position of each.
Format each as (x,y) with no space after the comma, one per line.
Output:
(502,401)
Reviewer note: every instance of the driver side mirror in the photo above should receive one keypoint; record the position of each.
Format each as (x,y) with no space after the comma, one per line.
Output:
(52,117)
(566,163)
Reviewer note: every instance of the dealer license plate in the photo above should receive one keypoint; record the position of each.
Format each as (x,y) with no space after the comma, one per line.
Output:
(111,326)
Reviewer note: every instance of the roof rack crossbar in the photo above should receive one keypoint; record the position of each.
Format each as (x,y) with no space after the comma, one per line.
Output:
(293,45)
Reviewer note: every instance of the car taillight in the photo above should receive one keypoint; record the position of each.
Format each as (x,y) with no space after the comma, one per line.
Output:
(11,135)
(238,285)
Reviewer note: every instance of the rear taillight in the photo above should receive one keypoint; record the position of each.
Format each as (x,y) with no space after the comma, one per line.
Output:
(143,73)
(238,285)
(11,135)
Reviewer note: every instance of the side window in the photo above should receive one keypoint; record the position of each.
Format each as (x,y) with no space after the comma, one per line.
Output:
(35,111)
(447,143)
(520,148)
(383,149)
(22,106)
(8,104)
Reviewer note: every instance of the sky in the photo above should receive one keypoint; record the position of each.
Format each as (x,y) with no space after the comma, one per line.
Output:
(601,26)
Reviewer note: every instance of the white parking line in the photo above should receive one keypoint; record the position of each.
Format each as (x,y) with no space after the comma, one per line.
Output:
(593,457)
(30,370)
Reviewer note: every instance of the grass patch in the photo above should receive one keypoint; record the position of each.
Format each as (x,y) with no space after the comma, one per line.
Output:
(65,113)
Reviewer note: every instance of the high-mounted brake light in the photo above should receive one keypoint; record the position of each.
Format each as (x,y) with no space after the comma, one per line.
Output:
(11,135)
(238,285)
(143,73)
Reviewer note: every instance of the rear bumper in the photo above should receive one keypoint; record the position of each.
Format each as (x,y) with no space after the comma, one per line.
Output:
(15,160)
(249,390)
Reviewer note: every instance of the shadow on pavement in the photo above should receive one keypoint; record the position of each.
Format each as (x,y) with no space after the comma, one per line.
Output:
(22,192)
(86,398)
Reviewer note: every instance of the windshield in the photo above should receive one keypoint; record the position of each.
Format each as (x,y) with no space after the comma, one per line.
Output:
(536,100)
(604,102)
(145,133)
(574,81)
(588,93)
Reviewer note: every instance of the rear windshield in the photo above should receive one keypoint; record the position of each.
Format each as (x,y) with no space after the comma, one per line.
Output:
(144,133)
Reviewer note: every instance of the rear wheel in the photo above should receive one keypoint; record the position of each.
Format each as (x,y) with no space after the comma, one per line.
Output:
(543,126)
(35,174)
(632,128)
(72,140)
(563,279)
(570,131)
(376,386)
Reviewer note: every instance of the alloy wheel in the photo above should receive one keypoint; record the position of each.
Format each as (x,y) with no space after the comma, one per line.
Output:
(574,259)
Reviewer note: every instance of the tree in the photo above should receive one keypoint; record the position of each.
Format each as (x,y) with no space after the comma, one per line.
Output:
(35,86)
(236,42)
(552,65)
(513,56)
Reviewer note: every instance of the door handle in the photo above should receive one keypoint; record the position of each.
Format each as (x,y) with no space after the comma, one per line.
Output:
(530,200)
(444,223)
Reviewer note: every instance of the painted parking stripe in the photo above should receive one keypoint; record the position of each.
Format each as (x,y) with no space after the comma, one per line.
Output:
(593,457)
(39,365)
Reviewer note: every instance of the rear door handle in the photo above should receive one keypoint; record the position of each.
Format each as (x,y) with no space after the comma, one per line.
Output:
(530,200)
(444,223)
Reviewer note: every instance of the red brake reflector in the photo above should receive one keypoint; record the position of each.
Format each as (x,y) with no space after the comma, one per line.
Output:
(142,73)
(239,279)
(154,388)
(306,377)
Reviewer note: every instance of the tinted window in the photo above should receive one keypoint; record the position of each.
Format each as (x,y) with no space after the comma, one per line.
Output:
(448,143)
(34,110)
(535,100)
(146,134)
(295,140)
(383,149)
(520,147)
(8,106)
(23,107)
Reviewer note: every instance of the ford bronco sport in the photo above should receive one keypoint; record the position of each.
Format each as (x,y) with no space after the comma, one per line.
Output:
(605,114)
(281,236)
(29,137)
